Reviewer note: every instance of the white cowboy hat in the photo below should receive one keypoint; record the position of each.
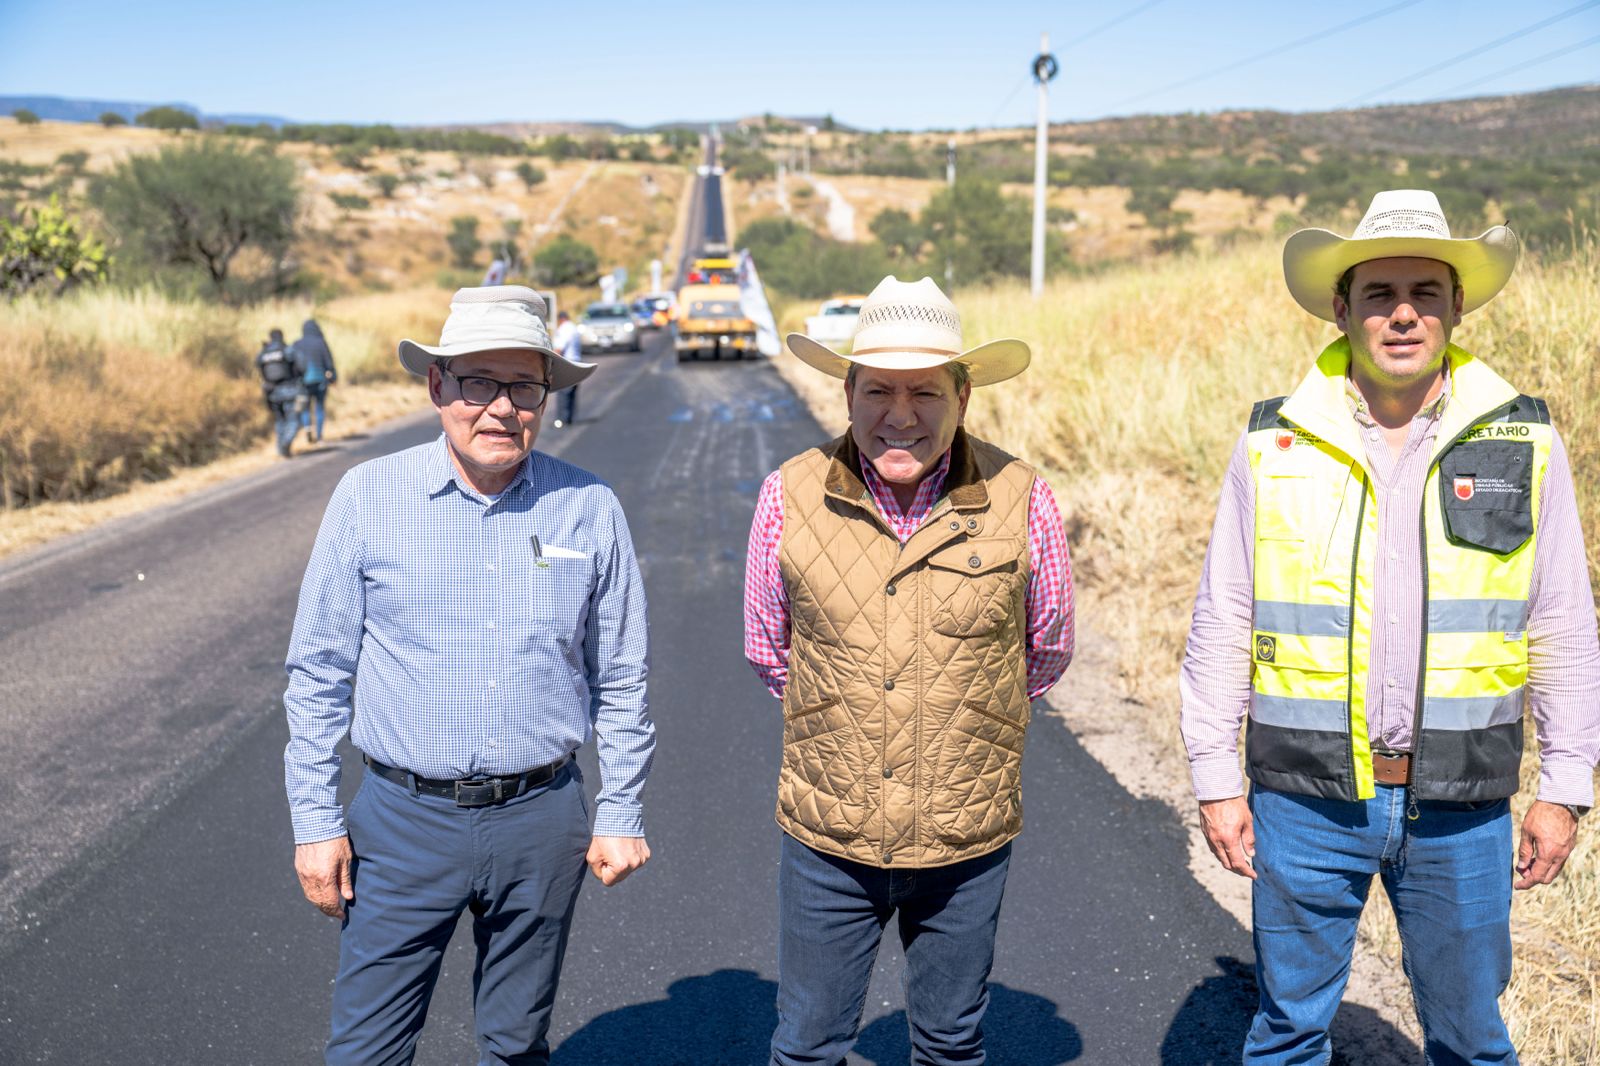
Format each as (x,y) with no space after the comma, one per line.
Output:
(907,325)
(1400,223)
(495,318)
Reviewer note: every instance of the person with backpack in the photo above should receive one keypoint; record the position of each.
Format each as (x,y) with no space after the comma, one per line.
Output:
(281,384)
(317,373)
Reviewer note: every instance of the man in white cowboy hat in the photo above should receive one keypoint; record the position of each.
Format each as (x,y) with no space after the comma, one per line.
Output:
(487,599)
(907,593)
(1396,563)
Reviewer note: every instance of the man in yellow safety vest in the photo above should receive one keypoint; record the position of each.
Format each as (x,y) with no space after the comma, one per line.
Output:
(1396,564)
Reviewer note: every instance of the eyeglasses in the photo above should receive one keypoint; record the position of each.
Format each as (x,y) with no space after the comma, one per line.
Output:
(481,391)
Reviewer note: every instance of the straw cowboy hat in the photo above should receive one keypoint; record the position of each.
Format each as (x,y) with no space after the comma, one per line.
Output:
(495,318)
(912,326)
(1400,223)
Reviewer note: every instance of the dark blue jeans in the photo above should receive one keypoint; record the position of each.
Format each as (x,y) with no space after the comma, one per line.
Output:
(421,861)
(569,405)
(1448,876)
(832,915)
(316,406)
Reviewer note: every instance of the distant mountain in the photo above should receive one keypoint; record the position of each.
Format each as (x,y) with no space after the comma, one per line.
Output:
(67,109)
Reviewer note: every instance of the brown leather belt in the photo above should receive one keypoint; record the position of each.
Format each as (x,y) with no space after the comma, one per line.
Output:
(1391,767)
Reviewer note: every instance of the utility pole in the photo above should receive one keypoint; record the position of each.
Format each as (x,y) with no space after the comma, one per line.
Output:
(811,131)
(950,180)
(1045,68)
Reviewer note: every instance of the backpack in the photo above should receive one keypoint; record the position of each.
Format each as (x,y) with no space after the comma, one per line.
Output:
(276,366)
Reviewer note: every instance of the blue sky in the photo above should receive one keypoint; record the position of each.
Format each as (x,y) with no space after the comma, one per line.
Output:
(930,65)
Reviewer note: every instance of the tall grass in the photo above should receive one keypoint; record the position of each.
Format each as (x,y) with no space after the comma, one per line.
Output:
(105,387)
(1140,385)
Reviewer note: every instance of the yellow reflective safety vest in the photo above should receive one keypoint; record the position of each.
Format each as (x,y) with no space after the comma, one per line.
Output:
(1316,545)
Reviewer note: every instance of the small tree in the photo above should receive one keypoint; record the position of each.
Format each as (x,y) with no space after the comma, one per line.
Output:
(385,183)
(72,162)
(200,203)
(25,117)
(530,174)
(463,240)
(44,244)
(109,119)
(349,201)
(566,261)
(172,119)
(898,232)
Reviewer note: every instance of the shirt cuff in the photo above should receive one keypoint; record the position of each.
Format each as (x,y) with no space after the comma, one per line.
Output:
(317,825)
(1216,777)
(617,819)
(1566,781)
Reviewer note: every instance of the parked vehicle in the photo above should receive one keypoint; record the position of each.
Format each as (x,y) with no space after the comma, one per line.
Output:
(605,326)
(713,270)
(710,322)
(652,310)
(835,321)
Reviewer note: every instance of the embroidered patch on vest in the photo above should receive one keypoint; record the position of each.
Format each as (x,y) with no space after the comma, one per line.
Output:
(1266,648)
(1464,488)
(1285,439)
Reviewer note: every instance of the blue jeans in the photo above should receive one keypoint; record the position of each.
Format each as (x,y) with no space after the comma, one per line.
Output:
(1448,876)
(316,400)
(832,915)
(421,861)
(569,405)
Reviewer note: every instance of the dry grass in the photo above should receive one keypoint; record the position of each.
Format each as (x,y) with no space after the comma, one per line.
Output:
(104,389)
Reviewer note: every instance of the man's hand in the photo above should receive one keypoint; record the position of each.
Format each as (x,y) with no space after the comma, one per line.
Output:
(324,872)
(1231,834)
(1548,832)
(614,858)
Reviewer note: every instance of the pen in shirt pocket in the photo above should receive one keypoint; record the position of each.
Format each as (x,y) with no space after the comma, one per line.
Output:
(538,552)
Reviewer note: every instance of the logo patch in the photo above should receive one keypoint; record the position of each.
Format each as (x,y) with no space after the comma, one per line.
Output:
(1285,439)
(1266,648)
(1464,488)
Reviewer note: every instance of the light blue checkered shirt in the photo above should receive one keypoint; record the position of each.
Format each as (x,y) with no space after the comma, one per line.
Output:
(474,656)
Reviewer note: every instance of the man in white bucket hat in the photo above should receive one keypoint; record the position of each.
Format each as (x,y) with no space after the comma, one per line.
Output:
(1396,564)
(488,600)
(907,593)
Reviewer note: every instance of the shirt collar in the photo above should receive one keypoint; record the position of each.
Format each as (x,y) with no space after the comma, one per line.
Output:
(1429,411)
(441,472)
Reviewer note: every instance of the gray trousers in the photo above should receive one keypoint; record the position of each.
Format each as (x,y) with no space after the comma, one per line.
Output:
(420,862)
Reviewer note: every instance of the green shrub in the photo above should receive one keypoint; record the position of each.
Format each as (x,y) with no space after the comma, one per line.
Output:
(172,119)
(463,241)
(109,119)
(25,117)
(566,261)
(44,245)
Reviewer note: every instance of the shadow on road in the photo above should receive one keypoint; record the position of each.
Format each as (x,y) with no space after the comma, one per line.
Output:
(726,1019)
(1210,1027)
(1020,1029)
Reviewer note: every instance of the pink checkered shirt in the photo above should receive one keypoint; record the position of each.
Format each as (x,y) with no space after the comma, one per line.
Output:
(1048,600)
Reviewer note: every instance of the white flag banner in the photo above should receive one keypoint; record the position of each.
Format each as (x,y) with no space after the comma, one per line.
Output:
(753,303)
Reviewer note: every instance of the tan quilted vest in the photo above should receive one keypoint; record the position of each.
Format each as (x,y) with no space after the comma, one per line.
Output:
(907,698)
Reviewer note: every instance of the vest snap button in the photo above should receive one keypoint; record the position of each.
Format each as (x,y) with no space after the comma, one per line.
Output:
(890,590)
(974,562)
(887,772)
(954,524)
(888,686)
(972,523)
(887,858)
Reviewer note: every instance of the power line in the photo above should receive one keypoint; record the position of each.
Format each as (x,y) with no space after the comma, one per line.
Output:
(1276,50)
(1124,17)
(1471,52)
(1009,97)
(1535,61)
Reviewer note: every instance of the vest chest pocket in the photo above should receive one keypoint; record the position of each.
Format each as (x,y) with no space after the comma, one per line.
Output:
(974,586)
(1486,493)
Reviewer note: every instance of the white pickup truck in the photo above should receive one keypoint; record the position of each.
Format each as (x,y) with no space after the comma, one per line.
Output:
(835,321)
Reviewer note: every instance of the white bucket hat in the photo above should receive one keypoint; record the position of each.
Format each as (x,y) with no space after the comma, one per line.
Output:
(912,326)
(495,318)
(1400,223)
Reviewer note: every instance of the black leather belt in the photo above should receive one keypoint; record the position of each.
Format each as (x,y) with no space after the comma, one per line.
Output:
(480,791)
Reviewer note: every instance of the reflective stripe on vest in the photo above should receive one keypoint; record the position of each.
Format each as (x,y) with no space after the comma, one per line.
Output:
(1316,538)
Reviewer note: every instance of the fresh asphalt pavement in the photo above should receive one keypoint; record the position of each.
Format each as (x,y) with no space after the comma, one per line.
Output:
(150,910)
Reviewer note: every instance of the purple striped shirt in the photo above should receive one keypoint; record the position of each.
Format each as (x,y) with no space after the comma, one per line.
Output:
(1563,648)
